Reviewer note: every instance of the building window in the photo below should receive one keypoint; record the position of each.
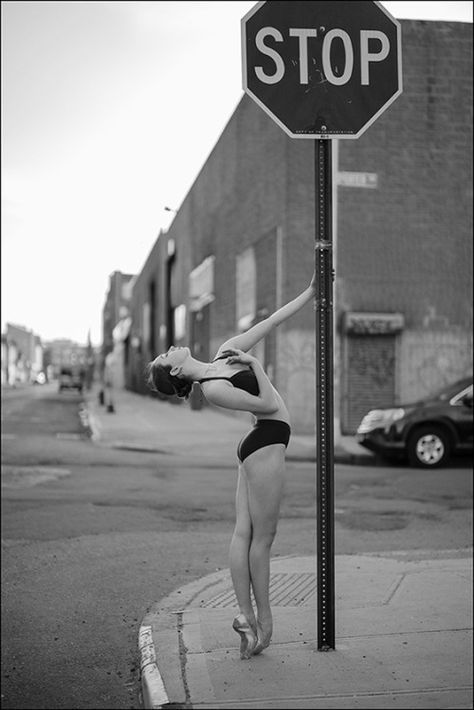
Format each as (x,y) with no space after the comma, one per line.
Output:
(201,284)
(180,322)
(246,287)
(146,324)
(152,315)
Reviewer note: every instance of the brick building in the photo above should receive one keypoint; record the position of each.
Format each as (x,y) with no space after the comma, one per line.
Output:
(241,244)
(22,355)
(115,308)
(151,311)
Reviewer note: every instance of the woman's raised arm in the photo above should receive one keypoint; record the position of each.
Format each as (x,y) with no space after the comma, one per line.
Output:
(246,341)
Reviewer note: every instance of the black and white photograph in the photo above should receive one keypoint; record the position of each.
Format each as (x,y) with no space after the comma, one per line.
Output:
(236,355)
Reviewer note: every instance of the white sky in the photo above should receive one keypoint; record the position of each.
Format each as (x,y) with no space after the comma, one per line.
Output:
(109,111)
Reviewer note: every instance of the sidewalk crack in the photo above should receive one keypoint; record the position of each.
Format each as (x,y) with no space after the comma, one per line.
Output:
(183,659)
(395,588)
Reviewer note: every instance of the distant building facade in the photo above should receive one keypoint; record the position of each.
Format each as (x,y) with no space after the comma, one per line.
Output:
(241,245)
(152,310)
(62,352)
(116,308)
(10,361)
(22,355)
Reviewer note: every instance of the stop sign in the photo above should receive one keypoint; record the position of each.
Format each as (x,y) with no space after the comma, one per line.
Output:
(321,69)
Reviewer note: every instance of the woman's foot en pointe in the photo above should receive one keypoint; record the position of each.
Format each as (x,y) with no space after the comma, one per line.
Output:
(264,636)
(248,637)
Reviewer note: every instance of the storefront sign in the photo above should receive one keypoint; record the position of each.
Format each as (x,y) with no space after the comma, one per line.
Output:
(373,323)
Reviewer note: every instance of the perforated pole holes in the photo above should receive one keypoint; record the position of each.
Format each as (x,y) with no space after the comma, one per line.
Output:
(324,398)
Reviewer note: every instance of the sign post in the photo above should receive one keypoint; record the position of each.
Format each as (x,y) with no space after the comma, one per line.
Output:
(322,70)
(324,397)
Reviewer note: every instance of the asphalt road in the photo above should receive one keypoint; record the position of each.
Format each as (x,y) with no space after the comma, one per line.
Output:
(92,537)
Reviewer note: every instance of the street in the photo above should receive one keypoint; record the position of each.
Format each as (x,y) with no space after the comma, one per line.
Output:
(93,536)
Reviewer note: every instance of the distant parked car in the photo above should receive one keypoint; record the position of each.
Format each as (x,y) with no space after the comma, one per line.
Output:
(70,378)
(426,433)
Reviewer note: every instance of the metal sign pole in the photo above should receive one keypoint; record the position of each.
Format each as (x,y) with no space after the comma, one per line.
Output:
(324,396)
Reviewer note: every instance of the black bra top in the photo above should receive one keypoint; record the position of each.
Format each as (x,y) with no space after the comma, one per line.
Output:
(243,379)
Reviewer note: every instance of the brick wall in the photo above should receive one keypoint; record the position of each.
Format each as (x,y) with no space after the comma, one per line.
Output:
(403,247)
(407,245)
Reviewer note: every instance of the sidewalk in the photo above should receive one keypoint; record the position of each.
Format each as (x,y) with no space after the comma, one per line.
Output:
(403,627)
(133,425)
(403,640)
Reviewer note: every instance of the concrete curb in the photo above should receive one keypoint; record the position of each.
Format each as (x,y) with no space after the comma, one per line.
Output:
(153,690)
(340,456)
(154,693)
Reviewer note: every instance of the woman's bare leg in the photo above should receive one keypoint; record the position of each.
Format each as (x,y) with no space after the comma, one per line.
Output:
(265,473)
(239,550)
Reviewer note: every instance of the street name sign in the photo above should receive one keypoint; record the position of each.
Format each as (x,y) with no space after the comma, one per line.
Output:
(346,178)
(321,69)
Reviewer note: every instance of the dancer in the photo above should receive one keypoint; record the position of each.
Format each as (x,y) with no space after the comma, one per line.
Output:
(236,380)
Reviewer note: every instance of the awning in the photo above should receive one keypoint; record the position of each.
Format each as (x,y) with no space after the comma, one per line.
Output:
(122,329)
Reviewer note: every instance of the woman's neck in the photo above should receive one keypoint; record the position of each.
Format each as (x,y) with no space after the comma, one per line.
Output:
(199,369)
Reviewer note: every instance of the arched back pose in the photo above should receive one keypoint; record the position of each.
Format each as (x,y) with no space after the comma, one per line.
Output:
(236,380)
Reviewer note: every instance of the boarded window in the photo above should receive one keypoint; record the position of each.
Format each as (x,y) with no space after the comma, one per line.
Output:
(246,284)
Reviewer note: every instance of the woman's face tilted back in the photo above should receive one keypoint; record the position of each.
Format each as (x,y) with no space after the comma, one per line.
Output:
(174,358)
(165,373)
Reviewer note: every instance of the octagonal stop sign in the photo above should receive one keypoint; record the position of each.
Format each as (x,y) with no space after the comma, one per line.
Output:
(321,69)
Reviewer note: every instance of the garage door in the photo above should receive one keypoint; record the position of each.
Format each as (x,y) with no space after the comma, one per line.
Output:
(369,377)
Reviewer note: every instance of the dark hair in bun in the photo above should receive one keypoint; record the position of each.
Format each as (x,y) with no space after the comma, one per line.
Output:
(160,379)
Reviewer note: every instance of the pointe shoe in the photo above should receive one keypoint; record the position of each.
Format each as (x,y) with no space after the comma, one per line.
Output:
(263,640)
(248,638)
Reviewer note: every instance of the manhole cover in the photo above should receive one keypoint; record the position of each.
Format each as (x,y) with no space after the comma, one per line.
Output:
(295,589)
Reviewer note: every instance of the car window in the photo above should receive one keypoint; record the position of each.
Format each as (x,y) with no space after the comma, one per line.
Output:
(466,392)
(449,391)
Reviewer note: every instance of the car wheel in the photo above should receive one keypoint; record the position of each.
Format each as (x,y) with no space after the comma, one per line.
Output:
(428,447)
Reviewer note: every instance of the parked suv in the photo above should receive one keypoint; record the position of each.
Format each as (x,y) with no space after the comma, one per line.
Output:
(70,378)
(427,432)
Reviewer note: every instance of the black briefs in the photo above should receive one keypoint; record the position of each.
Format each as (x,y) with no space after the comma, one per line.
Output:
(264,433)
